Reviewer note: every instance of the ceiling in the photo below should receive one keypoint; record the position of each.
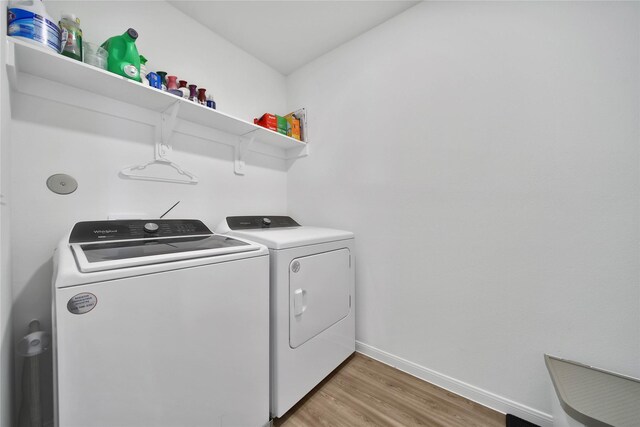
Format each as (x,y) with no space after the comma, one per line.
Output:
(288,34)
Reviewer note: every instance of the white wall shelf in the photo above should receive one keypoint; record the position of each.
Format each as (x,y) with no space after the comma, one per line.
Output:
(38,71)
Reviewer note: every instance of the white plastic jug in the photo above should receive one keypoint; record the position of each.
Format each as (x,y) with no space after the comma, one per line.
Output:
(29,20)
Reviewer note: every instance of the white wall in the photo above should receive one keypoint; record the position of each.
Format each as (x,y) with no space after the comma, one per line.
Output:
(48,137)
(486,156)
(6,295)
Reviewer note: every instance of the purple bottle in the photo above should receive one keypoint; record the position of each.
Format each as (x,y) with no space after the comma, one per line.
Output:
(193,93)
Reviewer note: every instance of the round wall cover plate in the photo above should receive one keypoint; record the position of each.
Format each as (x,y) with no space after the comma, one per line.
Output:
(61,183)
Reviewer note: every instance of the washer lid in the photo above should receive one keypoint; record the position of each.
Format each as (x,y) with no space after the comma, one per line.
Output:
(110,255)
(109,245)
(283,238)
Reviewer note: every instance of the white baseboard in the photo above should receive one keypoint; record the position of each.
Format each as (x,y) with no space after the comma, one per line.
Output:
(468,391)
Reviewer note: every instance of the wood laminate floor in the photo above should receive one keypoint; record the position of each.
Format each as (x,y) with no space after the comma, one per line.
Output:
(365,392)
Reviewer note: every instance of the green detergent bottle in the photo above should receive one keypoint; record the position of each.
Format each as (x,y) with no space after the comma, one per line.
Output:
(124,59)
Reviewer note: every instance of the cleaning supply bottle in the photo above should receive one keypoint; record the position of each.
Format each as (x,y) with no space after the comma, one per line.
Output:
(124,58)
(183,88)
(172,86)
(71,36)
(163,76)
(29,20)
(193,94)
(143,71)
(202,96)
(210,102)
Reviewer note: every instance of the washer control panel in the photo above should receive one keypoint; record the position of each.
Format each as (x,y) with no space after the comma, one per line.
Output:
(96,231)
(263,221)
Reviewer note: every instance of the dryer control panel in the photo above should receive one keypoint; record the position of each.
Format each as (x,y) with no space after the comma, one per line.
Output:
(97,231)
(253,222)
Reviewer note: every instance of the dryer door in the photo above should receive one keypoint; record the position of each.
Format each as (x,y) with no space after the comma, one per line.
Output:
(318,293)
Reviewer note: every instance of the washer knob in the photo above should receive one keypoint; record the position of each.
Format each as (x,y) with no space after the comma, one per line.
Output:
(266,222)
(151,227)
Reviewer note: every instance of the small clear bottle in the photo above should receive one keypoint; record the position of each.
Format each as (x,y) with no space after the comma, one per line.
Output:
(143,70)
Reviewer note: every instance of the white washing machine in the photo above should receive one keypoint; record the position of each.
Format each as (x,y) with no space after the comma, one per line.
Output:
(160,323)
(312,301)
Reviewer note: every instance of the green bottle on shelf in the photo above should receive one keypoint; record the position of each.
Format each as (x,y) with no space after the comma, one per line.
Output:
(124,58)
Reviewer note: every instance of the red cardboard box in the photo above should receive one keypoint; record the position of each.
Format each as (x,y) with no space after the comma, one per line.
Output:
(269,121)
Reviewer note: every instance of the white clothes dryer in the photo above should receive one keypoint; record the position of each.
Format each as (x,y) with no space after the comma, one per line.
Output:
(312,301)
(159,323)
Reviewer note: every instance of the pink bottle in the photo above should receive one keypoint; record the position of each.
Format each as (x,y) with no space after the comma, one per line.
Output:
(172,86)
(172,82)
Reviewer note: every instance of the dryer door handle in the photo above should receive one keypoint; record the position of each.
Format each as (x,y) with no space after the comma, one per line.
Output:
(299,302)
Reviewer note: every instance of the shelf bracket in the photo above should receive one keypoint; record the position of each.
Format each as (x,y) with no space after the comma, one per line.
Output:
(165,130)
(12,72)
(297,152)
(149,171)
(240,152)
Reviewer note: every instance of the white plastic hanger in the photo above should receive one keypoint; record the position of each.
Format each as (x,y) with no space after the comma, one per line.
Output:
(148,171)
